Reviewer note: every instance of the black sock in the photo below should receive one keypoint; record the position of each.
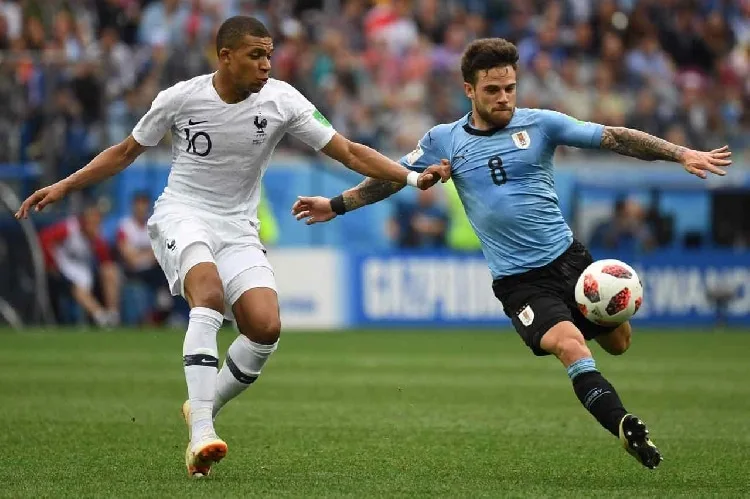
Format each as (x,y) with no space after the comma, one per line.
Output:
(600,399)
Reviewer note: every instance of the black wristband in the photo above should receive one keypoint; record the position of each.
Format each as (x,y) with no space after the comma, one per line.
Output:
(337,205)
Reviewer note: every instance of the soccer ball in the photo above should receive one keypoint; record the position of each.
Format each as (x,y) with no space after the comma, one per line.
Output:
(609,292)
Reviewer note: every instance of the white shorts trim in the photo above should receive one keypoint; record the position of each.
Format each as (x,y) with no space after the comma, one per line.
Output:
(255,277)
(190,257)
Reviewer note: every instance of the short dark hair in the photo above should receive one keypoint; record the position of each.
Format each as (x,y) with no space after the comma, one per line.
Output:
(233,31)
(485,54)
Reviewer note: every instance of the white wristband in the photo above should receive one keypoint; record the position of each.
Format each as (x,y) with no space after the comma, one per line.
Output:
(412,179)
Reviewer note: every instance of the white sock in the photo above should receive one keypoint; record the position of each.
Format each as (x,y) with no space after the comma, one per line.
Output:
(241,368)
(201,360)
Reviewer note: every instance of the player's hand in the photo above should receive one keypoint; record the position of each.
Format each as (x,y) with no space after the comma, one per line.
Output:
(700,162)
(42,198)
(315,209)
(435,173)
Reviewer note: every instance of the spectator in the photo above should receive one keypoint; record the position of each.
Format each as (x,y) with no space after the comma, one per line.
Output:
(420,224)
(138,260)
(369,65)
(80,266)
(626,231)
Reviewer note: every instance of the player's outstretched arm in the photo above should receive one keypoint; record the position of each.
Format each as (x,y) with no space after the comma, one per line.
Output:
(319,209)
(107,163)
(369,162)
(637,144)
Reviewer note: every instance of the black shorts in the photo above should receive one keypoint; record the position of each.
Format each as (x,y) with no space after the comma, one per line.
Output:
(540,298)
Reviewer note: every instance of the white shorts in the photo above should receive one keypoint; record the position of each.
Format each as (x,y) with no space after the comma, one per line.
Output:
(233,245)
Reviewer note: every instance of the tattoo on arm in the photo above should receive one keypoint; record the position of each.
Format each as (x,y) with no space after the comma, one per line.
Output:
(369,191)
(641,145)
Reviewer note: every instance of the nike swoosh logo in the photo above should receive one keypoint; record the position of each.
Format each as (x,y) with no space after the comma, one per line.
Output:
(191,122)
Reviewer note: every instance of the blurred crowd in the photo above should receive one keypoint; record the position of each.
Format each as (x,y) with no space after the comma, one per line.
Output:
(76,75)
(110,281)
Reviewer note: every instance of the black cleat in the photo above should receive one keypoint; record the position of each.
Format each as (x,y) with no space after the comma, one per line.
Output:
(634,437)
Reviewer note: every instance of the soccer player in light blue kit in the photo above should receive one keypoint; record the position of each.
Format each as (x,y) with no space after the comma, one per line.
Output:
(500,158)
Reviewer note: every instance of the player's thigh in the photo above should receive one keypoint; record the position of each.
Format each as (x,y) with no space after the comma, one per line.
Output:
(533,311)
(180,243)
(617,340)
(250,287)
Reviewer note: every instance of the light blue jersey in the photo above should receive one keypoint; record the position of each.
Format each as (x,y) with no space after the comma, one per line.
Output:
(505,180)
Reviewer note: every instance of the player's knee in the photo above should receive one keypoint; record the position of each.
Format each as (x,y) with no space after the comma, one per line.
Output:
(206,291)
(566,343)
(265,331)
(213,298)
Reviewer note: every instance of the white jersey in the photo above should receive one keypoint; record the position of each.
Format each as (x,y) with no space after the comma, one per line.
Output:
(220,151)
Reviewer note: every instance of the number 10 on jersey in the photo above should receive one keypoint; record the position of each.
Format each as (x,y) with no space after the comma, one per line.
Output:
(497,172)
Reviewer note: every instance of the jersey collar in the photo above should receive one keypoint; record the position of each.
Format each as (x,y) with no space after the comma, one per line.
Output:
(481,133)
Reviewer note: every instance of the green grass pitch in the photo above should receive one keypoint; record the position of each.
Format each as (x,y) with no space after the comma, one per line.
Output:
(372,414)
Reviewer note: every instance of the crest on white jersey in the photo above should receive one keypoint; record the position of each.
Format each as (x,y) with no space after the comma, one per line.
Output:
(522,139)
(413,156)
(260,129)
(526,315)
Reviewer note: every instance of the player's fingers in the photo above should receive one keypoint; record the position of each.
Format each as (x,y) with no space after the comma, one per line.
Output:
(697,172)
(22,210)
(720,161)
(715,169)
(445,170)
(29,203)
(44,202)
(310,221)
(724,154)
(302,214)
(303,205)
(721,149)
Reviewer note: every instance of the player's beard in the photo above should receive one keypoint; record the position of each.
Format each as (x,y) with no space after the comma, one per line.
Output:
(495,120)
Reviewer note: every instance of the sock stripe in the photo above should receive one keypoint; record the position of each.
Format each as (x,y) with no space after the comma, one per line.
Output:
(585,365)
(200,359)
(238,374)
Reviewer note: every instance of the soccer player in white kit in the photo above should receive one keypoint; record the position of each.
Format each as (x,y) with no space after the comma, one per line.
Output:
(204,230)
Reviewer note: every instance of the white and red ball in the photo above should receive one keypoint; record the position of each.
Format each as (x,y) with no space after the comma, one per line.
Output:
(609,292)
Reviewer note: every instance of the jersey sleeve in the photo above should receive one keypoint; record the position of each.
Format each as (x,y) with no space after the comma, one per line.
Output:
(307,123)
(430,150)
(565,130)
(159,118)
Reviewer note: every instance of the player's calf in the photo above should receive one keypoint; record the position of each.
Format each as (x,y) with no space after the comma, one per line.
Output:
(205,295)
(597,395)
(618,341)
(257,315)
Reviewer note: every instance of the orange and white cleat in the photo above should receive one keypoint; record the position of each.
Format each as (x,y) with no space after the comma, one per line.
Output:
(204,450)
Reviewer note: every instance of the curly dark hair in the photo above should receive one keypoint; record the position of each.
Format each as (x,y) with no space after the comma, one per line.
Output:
(487,53)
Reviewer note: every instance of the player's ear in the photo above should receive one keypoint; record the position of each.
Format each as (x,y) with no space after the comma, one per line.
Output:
(224,54)
(469,90)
